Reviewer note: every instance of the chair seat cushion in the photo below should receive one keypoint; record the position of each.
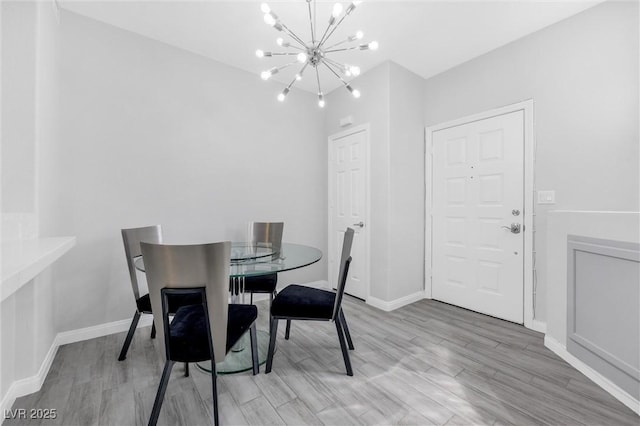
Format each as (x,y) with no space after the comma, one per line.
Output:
(261,283)
(188,332)
(175,301)
(298,301)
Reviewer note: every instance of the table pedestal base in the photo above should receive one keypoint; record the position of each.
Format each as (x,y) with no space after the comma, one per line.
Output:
(236,362)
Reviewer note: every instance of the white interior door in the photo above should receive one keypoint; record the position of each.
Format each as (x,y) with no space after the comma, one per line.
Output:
(348,207)
(478,193)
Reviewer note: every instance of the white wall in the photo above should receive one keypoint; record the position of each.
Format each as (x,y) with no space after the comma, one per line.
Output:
(18,45)
(406,195)
(148,134)
(582,74)
(392,104)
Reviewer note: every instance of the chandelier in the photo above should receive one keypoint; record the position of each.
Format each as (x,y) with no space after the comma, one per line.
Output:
(314,53)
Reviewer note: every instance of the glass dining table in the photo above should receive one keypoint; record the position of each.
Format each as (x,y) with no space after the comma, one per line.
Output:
(249,259)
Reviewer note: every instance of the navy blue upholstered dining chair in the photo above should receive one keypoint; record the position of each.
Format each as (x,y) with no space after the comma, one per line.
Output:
(298,302)
(202,331)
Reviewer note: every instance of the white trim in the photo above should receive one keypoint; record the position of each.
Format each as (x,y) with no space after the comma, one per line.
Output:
(428,212)
(529,174)
(34,383)
(397,303)
(606,384)
(367,191)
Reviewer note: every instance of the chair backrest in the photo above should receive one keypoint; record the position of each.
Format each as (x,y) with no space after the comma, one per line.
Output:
(132,238)
(345,262)
(266,232)
(188,266)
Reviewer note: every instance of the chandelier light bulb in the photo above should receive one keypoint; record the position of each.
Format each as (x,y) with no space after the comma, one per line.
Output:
(302,57)
(269,20)
(354,70)
(321,102)
(265,8)
(284,94)
(260,53)
(279,41)
(359,35)
(298,77)
(265,75)
(356,93)
(337,10)
(352,6)
(373,45)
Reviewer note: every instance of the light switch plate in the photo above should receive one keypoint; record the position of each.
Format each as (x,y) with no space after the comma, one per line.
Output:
(546,197)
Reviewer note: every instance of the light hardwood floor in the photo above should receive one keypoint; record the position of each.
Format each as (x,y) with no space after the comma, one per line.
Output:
(427,363)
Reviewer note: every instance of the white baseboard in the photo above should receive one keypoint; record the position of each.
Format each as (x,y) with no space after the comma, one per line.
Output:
(606,384)
(34,383)
(397,303)
(100,330)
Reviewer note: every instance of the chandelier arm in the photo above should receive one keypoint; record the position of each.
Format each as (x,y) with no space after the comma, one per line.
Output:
(313,37)
(323,35)
(326,36)
(304,67)
(335,73)
(318,80)
(293,35)
(335,63)
(286,65)
(343,49)
(339,43)
(292,83)
(283,53)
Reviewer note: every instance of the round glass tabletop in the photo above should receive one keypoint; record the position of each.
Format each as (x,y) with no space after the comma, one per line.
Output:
(252,260)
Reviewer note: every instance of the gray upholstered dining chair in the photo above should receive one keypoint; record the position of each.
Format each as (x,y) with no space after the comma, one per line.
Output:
(131,238)
(201,331)
(264,233)
(298,302)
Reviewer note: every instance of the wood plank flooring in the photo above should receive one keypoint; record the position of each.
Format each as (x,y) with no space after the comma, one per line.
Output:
(427,363)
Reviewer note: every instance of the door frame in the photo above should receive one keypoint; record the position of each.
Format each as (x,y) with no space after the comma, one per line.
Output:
(527,107)
(367,205)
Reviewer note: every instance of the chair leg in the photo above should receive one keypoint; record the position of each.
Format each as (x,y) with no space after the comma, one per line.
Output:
(346,329)
(273,330)
(214,388)
(127,340)
(343,346)
(157,404)
(253,334)
(153,330)
(186,369)
(287,330)
(251,300)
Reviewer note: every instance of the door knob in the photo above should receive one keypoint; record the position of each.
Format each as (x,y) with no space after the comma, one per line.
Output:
(514,228)
(360,224)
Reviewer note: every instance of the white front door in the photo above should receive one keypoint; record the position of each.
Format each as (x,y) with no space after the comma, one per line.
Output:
(478,177)
(348,207)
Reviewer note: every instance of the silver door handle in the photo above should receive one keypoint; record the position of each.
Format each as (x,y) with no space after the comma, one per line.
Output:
(360,224)
(514,228)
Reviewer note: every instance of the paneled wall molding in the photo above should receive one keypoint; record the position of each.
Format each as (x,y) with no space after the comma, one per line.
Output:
(606,384)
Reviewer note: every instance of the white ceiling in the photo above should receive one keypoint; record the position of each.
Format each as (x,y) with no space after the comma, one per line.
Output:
(427,37)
